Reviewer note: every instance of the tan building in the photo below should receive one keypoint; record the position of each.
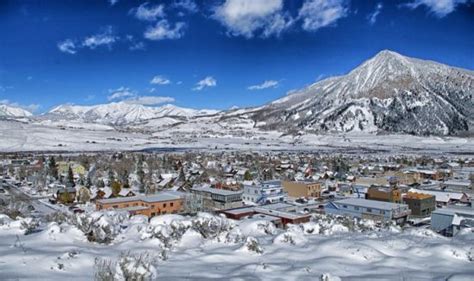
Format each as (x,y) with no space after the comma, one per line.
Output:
(302,189)
(420,204)
(150,205)
(386,194)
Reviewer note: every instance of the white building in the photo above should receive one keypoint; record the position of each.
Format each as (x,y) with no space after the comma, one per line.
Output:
(265,192)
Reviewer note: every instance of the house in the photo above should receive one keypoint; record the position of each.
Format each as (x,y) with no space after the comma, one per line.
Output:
(217,199)
(264,193)
(369,209)
(449,221)
(458,186)
(302,188)
(444,198)
(148,205)
(66,195)
(280,214)
(420,204)
(386,194)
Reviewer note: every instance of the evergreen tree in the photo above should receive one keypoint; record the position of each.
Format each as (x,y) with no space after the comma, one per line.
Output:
(116,188)
(70,177)
(53,167)
(247,176)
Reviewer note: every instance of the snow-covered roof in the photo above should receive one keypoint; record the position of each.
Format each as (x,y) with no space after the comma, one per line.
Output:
(145,198)
(370,204)
(441,196)
(223,192)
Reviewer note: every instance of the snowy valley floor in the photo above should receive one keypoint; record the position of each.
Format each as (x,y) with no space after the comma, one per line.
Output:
(208,247)
(20,137)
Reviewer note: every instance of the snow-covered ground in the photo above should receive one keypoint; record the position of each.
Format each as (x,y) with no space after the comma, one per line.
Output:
(211,247)
(205,133)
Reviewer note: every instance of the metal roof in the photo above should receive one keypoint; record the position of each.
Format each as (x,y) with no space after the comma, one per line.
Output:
(370,204)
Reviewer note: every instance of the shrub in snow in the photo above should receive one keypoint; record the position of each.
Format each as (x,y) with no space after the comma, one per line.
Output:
(329,224)
(329,277)
(4,219)
(210,226)
(29,225)
(252,245)
(100,227)
(57,217)
(293,236)
(136,267)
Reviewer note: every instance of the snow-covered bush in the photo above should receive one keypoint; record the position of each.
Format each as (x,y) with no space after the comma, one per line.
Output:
(29,225)
(100,227)
(252,245)
(136,267)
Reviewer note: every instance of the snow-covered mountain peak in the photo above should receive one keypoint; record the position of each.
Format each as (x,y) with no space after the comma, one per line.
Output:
(13,111)
(388,92)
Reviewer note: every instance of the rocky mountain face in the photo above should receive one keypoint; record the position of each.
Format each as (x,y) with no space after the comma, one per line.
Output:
(387,93)
(13,111)
(121,113)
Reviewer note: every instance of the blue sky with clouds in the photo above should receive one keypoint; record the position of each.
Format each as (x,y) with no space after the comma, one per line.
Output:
(210,54)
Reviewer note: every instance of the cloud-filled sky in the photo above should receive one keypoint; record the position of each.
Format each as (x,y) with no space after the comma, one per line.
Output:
(210,54)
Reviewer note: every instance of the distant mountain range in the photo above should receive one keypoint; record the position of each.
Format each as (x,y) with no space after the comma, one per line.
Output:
(121,113)
(388,93)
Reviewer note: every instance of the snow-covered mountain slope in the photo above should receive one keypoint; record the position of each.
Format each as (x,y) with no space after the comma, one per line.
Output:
(13,111)
(389,92)
(121,113)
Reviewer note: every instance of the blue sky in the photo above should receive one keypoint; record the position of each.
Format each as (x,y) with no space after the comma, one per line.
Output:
(210,54)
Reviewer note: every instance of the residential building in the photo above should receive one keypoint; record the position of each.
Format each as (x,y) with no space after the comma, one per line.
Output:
(369,209)
(420,204)
(264,193)
(302,189)
(449,221)
(149,205)
(217,199)
(444,198)
(386,194)
(280,214)
(66,195)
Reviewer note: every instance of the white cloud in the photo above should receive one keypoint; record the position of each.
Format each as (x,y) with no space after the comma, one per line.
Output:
(30,107)
(438,7)
(247,17)
(209,81)
(113,2)
(137,46)
(121,93)
(104,38)
(163,30)
(265,85)
(148,13)
(149,100)
(188,5)
(372,17)
(67,46)
(320,13)
(160,80)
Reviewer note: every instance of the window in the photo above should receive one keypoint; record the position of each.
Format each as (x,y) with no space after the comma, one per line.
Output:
(382,212)
(115,206)
(356,208)
(369,210)
(344,206)
(171,204)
